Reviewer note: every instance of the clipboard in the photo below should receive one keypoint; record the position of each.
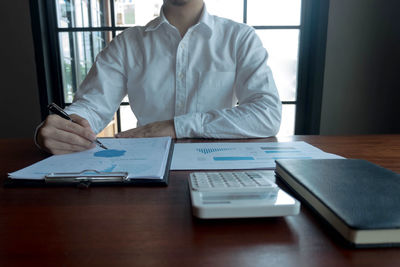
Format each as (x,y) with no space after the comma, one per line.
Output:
(87,178)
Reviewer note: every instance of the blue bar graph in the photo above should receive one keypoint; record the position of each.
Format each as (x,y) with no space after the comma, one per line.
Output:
(206,151)
(280,151)
(232,158)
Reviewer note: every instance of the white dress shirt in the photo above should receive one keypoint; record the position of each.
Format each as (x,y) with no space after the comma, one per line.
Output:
(196,80)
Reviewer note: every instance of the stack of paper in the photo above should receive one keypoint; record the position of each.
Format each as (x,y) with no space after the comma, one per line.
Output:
(219,156)
(144,158)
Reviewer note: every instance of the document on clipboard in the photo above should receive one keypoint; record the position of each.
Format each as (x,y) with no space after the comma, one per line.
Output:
(128,160)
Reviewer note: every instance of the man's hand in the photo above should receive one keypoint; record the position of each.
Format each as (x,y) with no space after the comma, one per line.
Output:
(61,136)
(155,129)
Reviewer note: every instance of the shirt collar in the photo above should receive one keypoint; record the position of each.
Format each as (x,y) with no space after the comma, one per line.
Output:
(157,22)
(205,24)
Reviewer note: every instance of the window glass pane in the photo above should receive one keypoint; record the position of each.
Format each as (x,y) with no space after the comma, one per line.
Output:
(83,13)
(138,12)
(128,120)
(78,52)
(273,12)
(282,47)
(288,117)
(231,9)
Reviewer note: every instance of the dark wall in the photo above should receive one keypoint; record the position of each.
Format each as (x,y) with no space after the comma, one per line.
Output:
(362,73)
(19,101)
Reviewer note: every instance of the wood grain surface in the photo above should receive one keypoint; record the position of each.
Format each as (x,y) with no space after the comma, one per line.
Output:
(153,226)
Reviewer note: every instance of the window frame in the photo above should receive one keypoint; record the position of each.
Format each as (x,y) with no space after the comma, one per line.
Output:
(311,66)
(310,71)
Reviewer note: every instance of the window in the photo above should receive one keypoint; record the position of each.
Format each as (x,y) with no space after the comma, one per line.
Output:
(277,22)
(79,29)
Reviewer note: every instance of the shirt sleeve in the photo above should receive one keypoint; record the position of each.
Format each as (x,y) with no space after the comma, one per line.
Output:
(103,89)
(259,111)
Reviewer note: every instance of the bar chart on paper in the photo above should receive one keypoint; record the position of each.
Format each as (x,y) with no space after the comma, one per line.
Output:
(219,156)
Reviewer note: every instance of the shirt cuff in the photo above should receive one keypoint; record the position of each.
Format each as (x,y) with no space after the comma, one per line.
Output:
(35,135)
(82,112)
(188,125)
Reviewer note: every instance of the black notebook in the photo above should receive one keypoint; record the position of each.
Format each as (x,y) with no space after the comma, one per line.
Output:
(359,199)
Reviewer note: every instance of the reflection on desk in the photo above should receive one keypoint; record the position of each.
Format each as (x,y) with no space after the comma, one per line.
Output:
(153,226)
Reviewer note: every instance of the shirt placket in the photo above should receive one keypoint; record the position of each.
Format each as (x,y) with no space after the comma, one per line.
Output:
(180,76)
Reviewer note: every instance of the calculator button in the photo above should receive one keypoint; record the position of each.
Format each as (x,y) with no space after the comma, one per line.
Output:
(254,175)
(234,184)
(264,182)
(225,181)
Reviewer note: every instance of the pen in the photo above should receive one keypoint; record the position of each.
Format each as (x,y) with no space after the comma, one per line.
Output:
(60,112)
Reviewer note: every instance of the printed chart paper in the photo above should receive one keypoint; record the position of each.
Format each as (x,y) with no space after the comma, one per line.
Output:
(220,156)
(139,157)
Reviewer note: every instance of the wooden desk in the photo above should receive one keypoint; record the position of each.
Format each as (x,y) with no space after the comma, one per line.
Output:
(127,226)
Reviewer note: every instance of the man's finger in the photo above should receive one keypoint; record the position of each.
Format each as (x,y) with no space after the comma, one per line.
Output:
(57,147)
(75,128)
(81,121)
(49,134)
(132,133)
(72,139)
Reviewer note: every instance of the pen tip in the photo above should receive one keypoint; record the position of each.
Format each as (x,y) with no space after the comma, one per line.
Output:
(100,144)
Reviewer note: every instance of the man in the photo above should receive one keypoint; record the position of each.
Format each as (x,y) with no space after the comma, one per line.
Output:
(184,73)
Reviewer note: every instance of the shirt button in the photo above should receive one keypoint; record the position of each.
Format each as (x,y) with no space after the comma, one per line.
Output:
(181,75)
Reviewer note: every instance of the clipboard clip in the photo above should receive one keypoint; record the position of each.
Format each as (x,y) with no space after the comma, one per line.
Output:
(84,178)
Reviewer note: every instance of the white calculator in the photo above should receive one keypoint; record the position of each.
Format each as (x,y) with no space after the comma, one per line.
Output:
(239,194)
